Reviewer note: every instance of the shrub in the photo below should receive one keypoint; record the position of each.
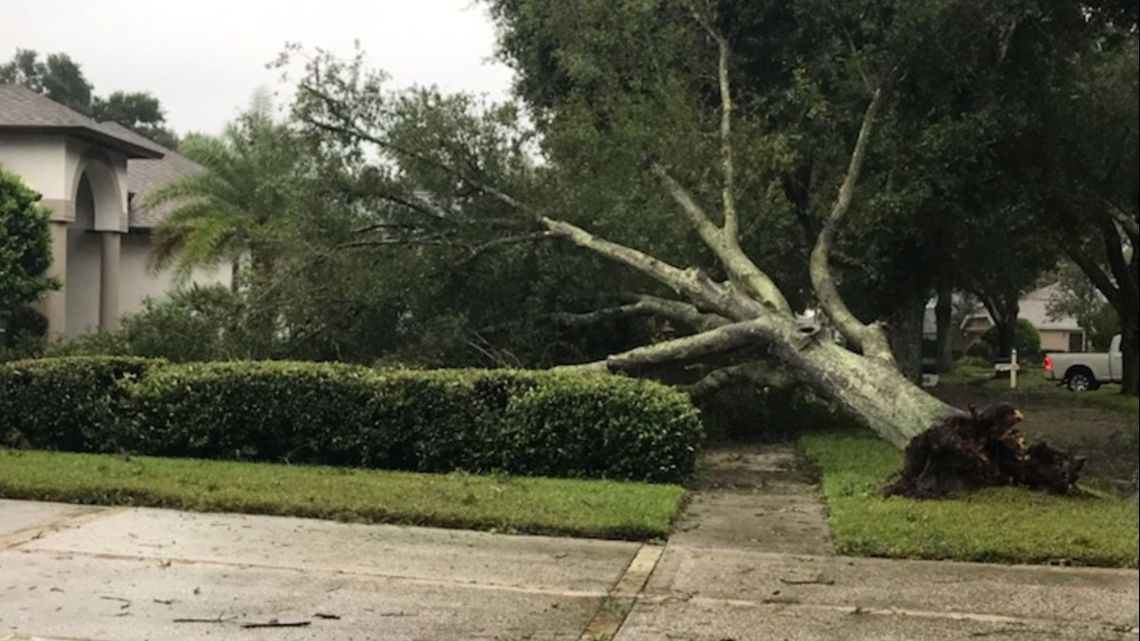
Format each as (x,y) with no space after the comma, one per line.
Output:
(981,351)
(1026,340)
(197,323)
(575,425)
(255,410)
(22,334)
(25,246)
(76,404)
(533,423)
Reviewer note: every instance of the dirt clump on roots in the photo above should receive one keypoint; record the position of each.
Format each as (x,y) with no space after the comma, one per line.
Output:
(975,449)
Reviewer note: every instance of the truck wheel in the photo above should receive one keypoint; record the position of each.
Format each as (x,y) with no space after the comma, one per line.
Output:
(1080,382)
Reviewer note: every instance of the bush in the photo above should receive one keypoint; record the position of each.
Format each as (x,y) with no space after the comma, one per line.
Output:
(77,404)
(531,423)
(1026,341)
(22,334)
(197,323)
(981,351)
(271,411)
(25,246)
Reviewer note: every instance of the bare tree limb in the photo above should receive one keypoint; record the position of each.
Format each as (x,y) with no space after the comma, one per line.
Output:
(740,268)
(645,305)
(731,220)
(681,312)
(758,373)
(1126,222)
(503,241)
(691,283)
(870,339)
(750,332)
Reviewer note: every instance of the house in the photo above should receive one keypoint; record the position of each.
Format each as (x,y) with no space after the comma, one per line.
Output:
(94,178)
(1061,334)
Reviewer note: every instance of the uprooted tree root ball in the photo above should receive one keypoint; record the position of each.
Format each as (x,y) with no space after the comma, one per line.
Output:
(981,449)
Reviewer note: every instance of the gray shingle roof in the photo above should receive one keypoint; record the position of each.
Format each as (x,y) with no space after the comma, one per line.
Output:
(22,109)
(145,175)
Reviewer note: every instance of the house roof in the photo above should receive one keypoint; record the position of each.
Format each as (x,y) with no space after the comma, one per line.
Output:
(149,164)
(24,110)
(144,175)
(1034,307)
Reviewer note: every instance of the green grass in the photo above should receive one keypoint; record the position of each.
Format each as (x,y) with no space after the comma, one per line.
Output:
(1032,384)
(593,508)
(997,524)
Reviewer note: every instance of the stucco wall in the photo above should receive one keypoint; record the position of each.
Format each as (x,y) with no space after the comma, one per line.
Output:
(40,160)
(81,280)
(1054,340)
(136,283)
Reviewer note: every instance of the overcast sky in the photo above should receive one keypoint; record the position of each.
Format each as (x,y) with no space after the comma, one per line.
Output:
(204,58)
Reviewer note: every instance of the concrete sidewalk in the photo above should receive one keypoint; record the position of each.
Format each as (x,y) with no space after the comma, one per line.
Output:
(751,560)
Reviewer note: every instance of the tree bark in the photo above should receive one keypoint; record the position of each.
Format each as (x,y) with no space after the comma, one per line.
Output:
(878,395)
(906,337)
(1130,351)
(943,314)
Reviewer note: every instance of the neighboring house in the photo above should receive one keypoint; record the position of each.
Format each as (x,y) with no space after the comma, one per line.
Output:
(93,177)
(1062,334)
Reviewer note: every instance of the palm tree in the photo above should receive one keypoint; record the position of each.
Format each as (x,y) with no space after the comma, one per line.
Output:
(235,210)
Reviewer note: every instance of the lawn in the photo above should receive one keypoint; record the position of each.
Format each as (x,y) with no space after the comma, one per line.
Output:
(1032,385)
(593,508)
(998,524)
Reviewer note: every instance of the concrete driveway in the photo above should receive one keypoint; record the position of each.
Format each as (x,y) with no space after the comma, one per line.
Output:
(70,572)
(750,562)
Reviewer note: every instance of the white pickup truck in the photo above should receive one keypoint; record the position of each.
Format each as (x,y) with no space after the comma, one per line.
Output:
(1084,371)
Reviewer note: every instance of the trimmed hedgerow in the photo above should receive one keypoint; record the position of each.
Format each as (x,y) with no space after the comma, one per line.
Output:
(259,410)
(76,403)
(519,422)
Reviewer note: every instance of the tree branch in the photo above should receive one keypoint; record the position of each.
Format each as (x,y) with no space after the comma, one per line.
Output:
(731,221)
(1126,222)
(870,339)
(713,341)
(691,283)
(759,373)
(740,268)
(681,312)
(646,305)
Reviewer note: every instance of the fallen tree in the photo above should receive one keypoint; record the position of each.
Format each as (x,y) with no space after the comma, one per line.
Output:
(737,308)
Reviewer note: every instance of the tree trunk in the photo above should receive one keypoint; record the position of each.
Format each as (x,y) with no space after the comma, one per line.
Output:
(1006,331)
(875,393)
(906,337)
(943,313)
(1130,351)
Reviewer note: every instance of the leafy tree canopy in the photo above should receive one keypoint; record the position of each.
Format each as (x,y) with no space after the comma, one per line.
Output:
(60,78)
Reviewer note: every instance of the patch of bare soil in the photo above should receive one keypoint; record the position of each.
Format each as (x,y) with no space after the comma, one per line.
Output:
(1110,439)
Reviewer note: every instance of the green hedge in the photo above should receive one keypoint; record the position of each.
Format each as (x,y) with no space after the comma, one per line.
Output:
(76,403)
(520,422)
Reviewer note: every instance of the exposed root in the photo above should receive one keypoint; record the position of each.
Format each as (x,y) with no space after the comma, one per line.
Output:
(982,449)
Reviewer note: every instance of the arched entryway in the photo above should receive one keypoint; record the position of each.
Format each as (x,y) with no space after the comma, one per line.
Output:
(91,251)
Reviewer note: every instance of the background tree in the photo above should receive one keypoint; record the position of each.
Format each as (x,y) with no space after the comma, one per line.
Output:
(57,76)
(138,111)
(1088,170)
(60,78)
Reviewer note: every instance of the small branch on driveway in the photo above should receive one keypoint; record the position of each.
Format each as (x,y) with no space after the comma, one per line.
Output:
(274,623)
